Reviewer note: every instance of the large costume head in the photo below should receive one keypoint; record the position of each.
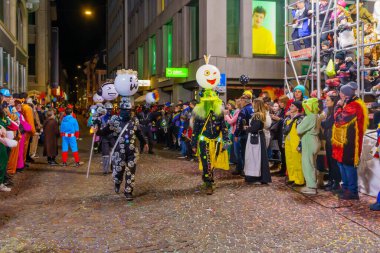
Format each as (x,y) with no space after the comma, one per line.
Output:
(311,106)
(97,99)
(208,77)
(108,91)
(126,82)
(152,97)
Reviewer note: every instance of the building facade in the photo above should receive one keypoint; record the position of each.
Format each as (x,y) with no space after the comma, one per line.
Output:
(13,45)
(177,33)
(116,36)
(40,46)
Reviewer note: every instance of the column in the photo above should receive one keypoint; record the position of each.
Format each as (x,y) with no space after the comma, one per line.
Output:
(246,28)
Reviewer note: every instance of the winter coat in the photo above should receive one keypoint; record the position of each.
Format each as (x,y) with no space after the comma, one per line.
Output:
(51,131)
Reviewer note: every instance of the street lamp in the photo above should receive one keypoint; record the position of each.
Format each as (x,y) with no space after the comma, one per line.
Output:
(79,67)
(88,13)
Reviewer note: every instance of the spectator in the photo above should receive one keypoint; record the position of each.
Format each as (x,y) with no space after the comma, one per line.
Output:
(51,130)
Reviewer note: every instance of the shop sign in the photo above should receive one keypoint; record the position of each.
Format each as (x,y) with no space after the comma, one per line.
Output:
(144,83)
(177,72)
(222,86)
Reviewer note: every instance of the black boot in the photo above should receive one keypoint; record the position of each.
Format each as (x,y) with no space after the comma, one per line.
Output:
(128,196)
(117,188)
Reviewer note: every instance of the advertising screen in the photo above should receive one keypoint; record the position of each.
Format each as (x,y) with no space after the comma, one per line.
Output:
(265,21)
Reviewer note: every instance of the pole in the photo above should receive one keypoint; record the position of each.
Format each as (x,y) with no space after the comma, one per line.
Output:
(314,6)
(318,46)
(357,46)
(286,42)
(92,149)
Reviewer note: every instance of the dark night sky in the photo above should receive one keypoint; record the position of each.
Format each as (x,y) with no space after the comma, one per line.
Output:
(80,37)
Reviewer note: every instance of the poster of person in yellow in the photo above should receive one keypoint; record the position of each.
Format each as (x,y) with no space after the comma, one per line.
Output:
(263,28)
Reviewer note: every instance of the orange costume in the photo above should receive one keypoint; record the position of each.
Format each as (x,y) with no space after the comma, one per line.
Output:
(12,161)
(27,111)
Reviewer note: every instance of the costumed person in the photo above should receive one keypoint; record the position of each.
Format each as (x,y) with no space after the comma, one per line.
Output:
(70,133)
(210,134)
(351,121)
(376,206)
(241,134)
(146,118)
(292,145)
(27,111)
(256,165)
(25,128)
(107,141)
(51,131)
(308,130)
(95,115)
(125,129)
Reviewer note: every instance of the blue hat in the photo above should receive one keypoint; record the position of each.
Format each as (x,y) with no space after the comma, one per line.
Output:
(300,88)
(5,92)
(167,104)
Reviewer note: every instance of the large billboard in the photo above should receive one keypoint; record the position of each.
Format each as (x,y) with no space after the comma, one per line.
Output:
(265,35)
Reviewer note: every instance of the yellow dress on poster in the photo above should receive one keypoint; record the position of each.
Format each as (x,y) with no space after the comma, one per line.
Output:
(262,41)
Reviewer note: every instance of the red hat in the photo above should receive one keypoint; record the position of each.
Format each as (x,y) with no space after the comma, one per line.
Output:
(334,82)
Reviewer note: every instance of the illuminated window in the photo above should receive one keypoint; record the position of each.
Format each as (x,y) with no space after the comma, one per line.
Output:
(194,31)
(168,45)
(233,27)
(152,55)
(140,62)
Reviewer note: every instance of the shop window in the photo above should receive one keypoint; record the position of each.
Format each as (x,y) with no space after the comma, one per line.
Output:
(152,55)
(233,27)
(168,45)
(32,59)
(140,62)
(194,30)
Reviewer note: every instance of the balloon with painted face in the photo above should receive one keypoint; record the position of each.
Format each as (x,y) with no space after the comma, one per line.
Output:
(126,82)
(208,76)
(108,91)
(152,97)
(97,99)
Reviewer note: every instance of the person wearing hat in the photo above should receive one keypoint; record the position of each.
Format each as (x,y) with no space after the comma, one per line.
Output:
(241,134)
(308,130)
(351,121)
(292,144)
(124,128)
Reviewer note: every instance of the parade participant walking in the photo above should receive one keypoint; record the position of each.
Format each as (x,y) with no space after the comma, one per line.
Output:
(145,118)
(107,141)
(25,128)
(308,130)
(210,134)
(70,134)
(351,121)
(256,165)
(51,131)
(125,128)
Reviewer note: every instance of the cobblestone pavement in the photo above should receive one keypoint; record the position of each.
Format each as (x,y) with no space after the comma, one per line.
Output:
(56,209)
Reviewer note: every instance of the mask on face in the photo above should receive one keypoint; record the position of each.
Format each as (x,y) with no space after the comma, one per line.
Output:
(125,115)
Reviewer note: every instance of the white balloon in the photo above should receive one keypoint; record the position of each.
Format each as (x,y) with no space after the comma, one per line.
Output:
(97,99)
(208,76)
(109,92)
(126,83)
(149,98)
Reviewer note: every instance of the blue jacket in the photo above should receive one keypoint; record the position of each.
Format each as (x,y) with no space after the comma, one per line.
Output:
(69,125)
(243,120)
(305,29)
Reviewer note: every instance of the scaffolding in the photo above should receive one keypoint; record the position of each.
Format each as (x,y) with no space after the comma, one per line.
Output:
(313,78)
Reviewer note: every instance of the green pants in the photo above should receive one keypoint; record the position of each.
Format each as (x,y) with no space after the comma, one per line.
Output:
(3,162)
(310,148)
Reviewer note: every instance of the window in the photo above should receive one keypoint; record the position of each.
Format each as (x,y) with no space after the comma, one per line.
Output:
(168,45)
(20,27)
(194,30)
(152,55)
(233,27)
(2,8)
(6,67)
(32,18)
(32,59)
(140,62)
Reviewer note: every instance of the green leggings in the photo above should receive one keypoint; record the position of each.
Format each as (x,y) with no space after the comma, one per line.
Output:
(3,162)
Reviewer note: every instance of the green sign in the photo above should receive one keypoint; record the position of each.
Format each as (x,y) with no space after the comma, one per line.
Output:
(177,72)
(304,69)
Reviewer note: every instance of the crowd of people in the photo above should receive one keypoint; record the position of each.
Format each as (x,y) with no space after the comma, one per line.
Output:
(24,124)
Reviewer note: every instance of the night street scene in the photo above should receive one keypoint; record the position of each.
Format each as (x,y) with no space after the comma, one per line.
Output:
(189,126)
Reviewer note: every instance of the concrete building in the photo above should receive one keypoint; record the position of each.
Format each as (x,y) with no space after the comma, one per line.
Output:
(13,45)
(116,36)
(39,45)
(177,33)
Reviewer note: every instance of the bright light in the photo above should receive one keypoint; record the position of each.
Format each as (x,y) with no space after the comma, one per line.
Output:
(79,67)
(76,78)
(88,13)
